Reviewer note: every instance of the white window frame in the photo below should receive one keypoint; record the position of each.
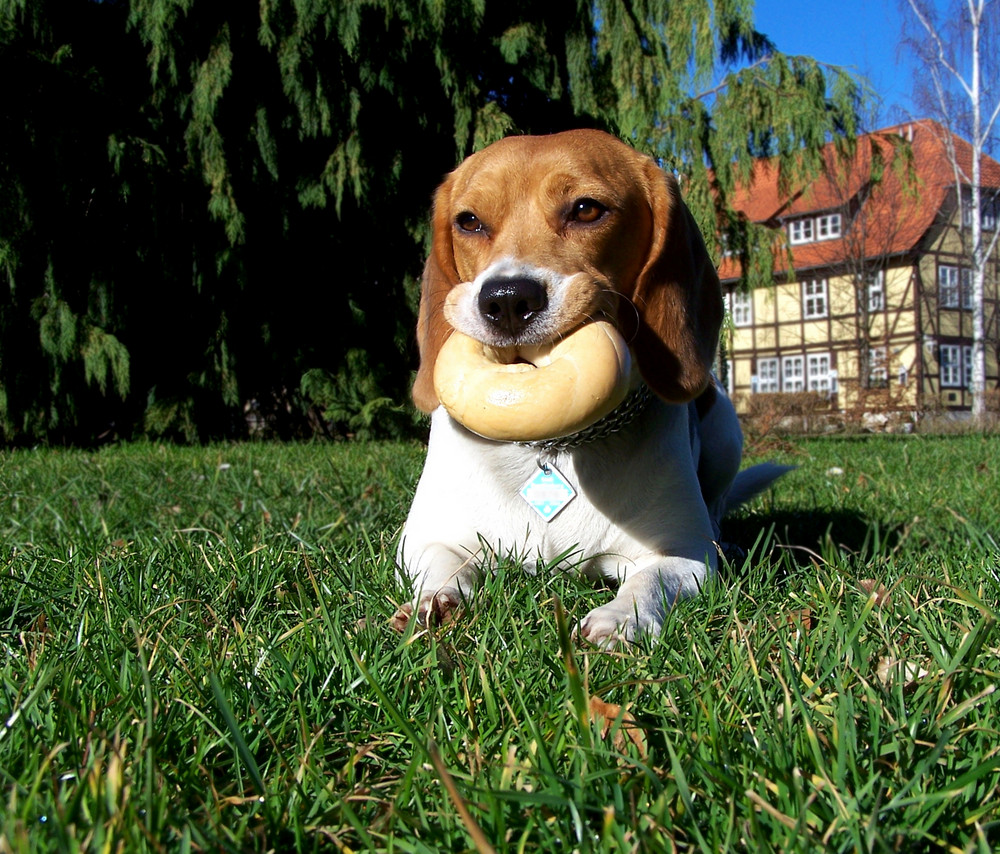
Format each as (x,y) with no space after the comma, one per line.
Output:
(948,285)
(965,288)
(741,308)
(954,286)
(989,220)
(878,367)
(814,299)
(950,365)
(768,378)
(793,374)
(820,375)
(987,209)
(875,291)
(967,365)
(801,231)
(828,227)
(809,229)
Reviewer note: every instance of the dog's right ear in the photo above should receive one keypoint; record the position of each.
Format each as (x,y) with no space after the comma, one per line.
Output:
(440,276)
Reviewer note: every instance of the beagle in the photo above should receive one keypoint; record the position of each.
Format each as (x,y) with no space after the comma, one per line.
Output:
(532,237)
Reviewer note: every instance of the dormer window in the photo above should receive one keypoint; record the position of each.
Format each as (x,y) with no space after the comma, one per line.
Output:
(800,231)
(810,229)
(828,227)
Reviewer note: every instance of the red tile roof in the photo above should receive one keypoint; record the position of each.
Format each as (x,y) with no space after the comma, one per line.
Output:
(895,217)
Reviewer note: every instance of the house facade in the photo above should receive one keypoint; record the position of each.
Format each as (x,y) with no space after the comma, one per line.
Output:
(870,306)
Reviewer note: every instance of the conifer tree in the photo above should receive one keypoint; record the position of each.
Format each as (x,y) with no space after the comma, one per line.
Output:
(209,207)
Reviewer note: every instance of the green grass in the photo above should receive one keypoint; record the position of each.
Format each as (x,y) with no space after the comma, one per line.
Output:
(196,655)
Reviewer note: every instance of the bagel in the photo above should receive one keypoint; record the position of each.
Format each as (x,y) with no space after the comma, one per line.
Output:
(534,393)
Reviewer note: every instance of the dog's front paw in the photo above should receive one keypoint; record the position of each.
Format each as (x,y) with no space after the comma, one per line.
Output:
(439,608)
(608,626)
(432,609)
(616,623)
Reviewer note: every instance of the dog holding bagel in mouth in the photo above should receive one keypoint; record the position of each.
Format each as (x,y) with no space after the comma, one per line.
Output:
(568,323)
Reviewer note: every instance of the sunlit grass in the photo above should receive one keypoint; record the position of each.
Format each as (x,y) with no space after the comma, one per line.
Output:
(196,654)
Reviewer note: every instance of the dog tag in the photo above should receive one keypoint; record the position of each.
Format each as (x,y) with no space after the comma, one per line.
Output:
(548,492)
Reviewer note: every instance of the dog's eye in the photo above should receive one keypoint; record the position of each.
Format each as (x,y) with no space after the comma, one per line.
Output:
(587,210)
(468,221)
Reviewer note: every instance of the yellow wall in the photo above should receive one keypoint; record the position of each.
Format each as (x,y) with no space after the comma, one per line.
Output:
(779,329)
(910,331)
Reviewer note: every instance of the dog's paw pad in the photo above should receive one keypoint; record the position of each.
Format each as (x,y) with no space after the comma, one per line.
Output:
(401,619)
(441,608)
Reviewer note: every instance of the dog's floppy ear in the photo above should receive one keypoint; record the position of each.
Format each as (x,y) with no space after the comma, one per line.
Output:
(677,298)
(440,276)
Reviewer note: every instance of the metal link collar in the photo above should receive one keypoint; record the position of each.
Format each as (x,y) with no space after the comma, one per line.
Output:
(611,423)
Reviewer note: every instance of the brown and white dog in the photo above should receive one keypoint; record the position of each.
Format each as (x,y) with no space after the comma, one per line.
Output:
(533,237)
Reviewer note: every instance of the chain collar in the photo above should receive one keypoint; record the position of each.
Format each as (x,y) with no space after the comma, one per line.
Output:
(611,423)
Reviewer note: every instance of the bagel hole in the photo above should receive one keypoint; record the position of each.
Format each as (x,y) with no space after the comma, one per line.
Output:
(504,355)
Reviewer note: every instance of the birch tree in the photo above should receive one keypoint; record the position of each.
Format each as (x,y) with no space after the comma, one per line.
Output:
(959,47)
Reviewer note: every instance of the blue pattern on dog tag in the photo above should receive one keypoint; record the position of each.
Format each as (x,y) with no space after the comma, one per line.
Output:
(548,492)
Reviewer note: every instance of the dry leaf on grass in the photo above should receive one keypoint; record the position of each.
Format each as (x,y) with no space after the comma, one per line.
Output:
(798,619)
(889,670)
(608,714)
(871,587)
(240,800)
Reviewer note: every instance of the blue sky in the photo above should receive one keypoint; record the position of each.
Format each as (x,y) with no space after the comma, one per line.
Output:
(863,35)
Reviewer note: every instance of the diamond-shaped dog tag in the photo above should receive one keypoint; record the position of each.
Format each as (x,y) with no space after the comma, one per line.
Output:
(548,492)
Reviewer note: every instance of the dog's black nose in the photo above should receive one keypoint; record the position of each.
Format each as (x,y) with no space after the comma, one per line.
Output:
(511,304)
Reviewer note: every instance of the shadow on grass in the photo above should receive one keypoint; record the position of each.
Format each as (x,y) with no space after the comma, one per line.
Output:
(807,535)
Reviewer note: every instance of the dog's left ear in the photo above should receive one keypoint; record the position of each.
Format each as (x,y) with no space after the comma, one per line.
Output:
(677,298)
(440,276)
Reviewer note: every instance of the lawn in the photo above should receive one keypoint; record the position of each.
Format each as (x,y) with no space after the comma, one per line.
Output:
(196,655)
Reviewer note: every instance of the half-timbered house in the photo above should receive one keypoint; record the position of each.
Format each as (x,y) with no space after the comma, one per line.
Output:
(870,306)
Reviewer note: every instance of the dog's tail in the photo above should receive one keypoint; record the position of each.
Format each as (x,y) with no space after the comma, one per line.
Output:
(753,481)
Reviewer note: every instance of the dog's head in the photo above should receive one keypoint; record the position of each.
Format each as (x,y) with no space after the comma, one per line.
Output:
(533,236)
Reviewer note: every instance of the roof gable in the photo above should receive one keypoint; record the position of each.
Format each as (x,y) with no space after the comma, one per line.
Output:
(896,205)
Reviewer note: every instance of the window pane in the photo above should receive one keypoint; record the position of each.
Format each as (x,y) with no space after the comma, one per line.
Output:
(814,298)
(950,359)
(819,372)
(792,374)
(876,291)
(966,289)
(767,376)
(742,308)
(948,286)
(800,230)
(828,227)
